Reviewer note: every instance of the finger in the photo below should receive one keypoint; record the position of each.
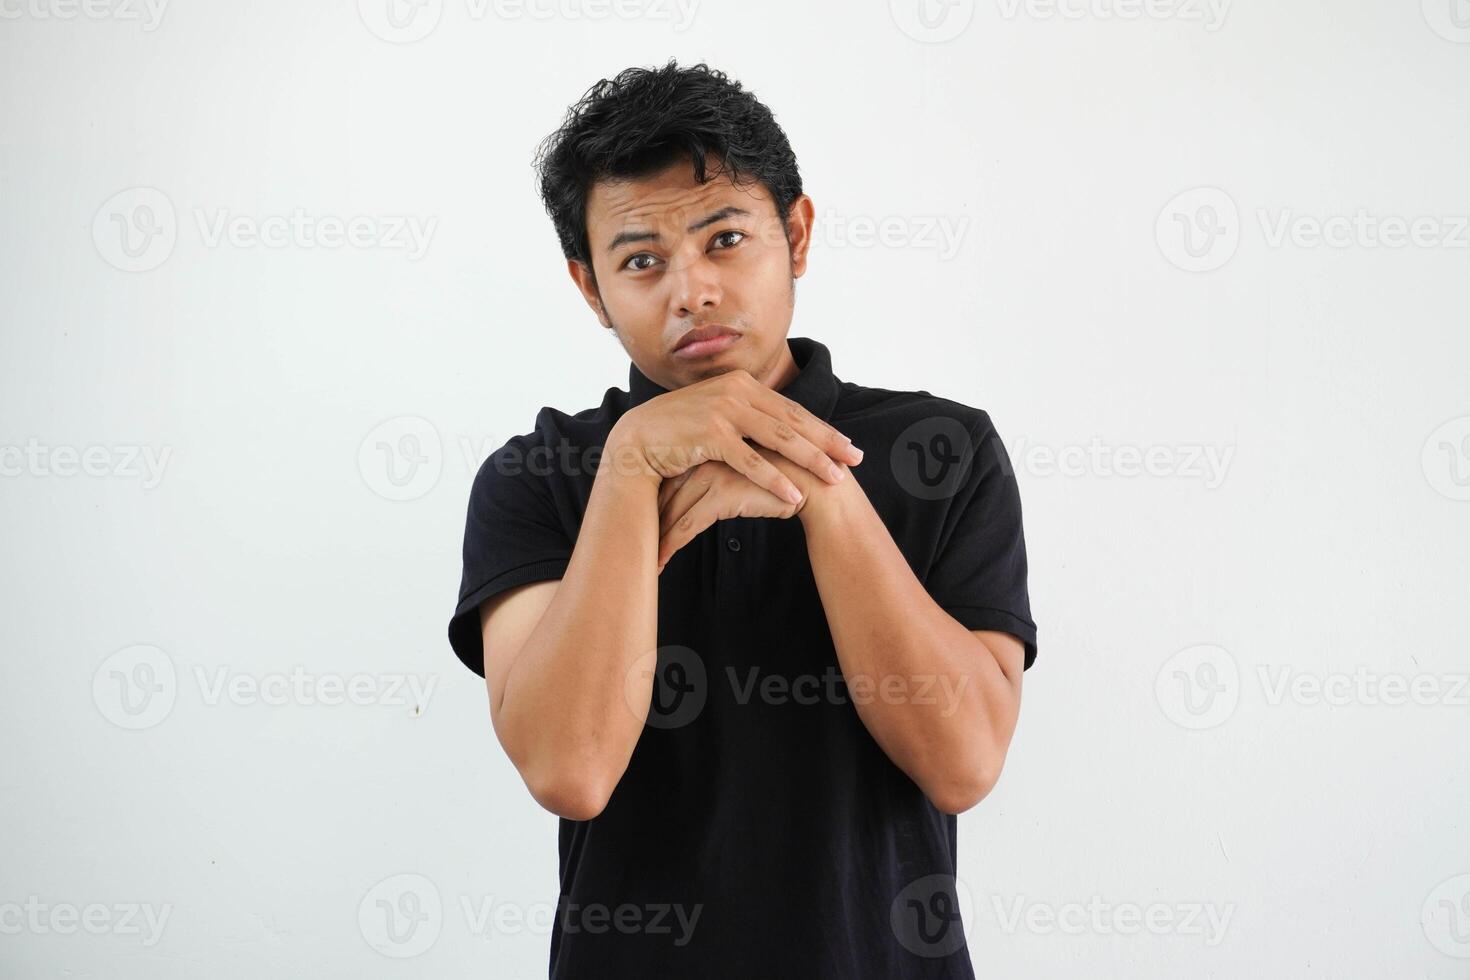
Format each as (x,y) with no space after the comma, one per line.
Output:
(683,498)
(669,485)
(818,433)
(746,459)
(691,523)
(782,437)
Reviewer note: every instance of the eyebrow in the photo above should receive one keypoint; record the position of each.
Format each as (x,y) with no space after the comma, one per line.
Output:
(627,237)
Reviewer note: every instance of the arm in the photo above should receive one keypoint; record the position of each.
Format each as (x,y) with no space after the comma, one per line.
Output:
(951,738)
(566,700)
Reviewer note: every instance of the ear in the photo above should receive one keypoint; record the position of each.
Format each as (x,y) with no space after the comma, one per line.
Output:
(799,222)
(581,274)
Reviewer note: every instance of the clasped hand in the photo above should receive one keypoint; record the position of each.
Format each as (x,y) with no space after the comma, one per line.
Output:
(715,491)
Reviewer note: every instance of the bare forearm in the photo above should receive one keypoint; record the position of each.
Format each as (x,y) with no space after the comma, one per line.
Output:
(577,697)
(930,693)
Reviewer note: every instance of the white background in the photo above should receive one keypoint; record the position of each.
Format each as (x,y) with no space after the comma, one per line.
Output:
(1159,769)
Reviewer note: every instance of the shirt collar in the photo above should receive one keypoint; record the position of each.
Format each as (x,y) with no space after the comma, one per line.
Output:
(814,389)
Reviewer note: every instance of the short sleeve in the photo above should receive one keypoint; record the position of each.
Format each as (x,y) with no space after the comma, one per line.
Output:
(979,573)
(512,536)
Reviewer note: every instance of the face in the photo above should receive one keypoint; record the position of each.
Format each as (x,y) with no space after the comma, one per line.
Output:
(670,255)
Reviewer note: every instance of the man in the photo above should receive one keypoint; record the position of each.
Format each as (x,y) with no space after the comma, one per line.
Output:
(754,632)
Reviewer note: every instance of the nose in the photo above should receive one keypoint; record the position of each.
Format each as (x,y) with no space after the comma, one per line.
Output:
(695,286)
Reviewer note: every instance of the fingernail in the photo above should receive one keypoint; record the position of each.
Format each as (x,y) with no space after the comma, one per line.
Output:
(793,495)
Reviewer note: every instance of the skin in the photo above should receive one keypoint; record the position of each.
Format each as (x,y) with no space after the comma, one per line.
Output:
(569,663)
(739,271)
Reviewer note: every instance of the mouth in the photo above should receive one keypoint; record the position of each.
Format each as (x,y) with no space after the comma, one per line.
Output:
(704,341)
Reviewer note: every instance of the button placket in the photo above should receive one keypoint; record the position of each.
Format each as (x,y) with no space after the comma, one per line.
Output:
(725,532)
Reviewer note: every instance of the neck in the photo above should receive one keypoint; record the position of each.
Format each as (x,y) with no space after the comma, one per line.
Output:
(781,371)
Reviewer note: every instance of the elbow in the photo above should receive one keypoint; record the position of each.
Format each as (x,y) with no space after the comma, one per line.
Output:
(963,788)
(571,796)
(959,798)
(571,790)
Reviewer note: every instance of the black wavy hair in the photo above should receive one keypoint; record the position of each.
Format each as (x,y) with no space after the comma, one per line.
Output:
(646,118)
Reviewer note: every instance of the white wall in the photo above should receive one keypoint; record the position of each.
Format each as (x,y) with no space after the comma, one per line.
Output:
(1159,769)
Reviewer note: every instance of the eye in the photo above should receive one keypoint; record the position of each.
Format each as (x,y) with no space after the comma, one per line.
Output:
(629,264)
(729,238)
(726,234)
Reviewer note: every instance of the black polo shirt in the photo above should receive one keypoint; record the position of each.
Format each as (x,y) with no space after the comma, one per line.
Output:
(759,831)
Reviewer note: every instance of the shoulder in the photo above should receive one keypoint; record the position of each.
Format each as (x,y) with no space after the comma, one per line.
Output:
(896,410)
(559,444)
(935,450)
(587,427)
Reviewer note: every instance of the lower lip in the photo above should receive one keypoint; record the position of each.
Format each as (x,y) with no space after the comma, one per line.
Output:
(705,348)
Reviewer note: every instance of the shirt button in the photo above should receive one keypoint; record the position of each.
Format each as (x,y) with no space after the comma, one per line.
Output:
(732,543)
